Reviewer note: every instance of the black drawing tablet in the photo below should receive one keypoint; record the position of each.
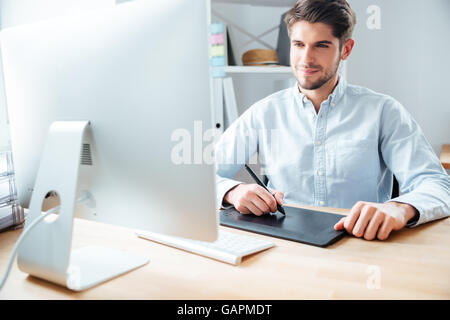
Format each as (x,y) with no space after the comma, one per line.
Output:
(301,225)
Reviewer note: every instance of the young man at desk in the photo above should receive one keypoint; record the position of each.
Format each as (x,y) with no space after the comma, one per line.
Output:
(336,145)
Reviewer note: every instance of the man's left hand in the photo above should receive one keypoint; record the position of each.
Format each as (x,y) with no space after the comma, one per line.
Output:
(376,220)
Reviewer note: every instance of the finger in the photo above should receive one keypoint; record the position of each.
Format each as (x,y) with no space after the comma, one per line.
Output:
(242,208)
(279,196)
(340,224)
(385,229)
(275,192)
(261,204)
(268,198)
(257,201)
(367,213)
(374,225)
(353,216)
(253,209)
(252,195)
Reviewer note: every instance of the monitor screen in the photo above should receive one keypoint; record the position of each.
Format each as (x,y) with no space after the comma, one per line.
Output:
(139,73)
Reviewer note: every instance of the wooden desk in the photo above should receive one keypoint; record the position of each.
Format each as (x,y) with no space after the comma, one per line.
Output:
(445,156)
(411,264)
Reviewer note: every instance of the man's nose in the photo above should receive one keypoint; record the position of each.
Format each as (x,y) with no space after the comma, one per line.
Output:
(308,56)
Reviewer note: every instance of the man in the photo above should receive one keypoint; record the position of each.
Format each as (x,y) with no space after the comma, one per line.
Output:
(337,145)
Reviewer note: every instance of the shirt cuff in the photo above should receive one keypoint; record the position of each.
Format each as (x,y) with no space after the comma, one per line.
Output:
(418,218)
(224,187)
(414,220)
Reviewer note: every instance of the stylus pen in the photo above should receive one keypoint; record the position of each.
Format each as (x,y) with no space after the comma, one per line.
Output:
(255,177)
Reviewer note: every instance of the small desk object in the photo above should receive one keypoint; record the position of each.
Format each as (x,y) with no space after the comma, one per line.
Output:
(445,156)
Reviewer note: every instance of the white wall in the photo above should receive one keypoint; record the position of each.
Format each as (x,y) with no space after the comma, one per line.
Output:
(407,58)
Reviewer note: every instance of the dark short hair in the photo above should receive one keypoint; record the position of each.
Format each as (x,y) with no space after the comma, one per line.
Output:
(335,13)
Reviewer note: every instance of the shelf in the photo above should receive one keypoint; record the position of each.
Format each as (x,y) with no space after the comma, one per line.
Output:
(258,69)
(272,3)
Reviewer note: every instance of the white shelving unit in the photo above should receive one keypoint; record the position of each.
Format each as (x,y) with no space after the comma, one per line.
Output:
(250,83)
(257,69)
(258,30)
(272,3)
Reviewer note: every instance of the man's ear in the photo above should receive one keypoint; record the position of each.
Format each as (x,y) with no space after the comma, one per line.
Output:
(348,46)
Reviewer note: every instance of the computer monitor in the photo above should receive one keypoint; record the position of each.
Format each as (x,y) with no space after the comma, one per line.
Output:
(132,82)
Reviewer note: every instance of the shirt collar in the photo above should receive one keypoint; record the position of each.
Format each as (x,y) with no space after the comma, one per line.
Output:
(334,96)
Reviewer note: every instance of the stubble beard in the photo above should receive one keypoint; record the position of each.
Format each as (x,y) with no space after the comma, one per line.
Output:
(309,85)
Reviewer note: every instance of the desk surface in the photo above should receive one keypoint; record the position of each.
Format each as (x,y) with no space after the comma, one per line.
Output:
(411,264)
(445,156)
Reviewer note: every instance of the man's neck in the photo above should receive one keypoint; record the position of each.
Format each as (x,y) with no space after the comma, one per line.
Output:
(319,95)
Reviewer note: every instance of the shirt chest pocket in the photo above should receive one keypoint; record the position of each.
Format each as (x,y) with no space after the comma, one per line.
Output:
(355,159)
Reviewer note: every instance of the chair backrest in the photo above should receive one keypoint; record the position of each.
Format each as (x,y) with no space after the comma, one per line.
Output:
(395,189)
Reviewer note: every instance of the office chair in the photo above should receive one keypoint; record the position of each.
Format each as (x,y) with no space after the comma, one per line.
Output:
(395,189)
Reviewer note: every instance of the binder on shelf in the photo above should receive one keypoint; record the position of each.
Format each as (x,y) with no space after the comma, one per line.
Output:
(230,106)
(11,216)
(7,192)
(217,39)
(224,100)
(217,112)
(217,61)
(216,28)
(5,164)
(11,213)
(218,72)
(218,49)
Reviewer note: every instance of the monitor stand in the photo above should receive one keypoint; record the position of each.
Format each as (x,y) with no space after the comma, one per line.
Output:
(46,251)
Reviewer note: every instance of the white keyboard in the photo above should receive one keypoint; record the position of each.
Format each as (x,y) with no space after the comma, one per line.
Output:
(229,247)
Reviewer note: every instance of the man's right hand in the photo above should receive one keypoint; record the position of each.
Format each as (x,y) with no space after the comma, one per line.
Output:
(252,198)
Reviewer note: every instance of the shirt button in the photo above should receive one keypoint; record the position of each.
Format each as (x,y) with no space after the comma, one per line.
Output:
(321,203)
(318,143)
(320,173)
(332,104)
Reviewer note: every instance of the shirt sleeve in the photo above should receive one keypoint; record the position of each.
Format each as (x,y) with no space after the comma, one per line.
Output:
(423,182)
(232,150)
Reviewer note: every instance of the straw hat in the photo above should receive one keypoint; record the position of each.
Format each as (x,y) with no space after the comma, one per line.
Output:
(260,57)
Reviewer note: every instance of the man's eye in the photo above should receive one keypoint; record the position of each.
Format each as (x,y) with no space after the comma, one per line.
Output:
(322,46)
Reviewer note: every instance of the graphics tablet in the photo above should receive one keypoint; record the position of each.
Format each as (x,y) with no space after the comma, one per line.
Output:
(301,225)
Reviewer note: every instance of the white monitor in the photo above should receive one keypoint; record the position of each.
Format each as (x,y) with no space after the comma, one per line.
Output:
(139,73)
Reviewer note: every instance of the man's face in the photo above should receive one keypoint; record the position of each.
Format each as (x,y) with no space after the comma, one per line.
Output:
(315,54)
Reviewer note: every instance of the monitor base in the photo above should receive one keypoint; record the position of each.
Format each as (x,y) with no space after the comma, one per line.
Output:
(46,251)
(93,265)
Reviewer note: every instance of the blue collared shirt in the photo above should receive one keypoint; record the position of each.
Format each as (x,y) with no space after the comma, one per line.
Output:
(345,153)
